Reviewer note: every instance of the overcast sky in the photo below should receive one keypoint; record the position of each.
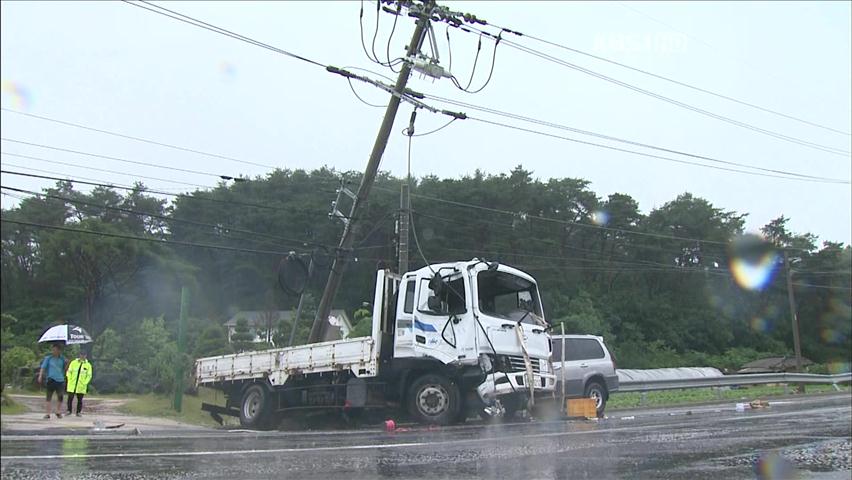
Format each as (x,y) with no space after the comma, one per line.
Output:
(113,66)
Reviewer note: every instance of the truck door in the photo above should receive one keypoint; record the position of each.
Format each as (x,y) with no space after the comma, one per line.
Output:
(404,335)
(441,320)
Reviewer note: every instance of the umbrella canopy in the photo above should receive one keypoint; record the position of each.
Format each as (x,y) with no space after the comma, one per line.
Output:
(69,334)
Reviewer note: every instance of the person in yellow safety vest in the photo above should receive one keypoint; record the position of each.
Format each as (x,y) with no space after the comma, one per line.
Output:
(79,374)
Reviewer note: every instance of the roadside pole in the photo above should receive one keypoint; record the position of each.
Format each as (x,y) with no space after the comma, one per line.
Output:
(342,252)
(301,303)
(562,365)
(791,296)
(181,347)
(404,219)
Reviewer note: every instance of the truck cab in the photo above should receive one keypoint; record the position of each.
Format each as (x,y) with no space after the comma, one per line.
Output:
(484,323)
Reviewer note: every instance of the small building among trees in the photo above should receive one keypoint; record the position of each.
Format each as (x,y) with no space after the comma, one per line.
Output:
(273,326)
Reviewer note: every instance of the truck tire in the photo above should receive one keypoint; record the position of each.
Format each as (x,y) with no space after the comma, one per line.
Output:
(434,399)
(512,405)
(255,408)
(597,391)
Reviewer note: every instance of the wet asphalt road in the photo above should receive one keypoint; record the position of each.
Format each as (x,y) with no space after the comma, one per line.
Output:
(709,442)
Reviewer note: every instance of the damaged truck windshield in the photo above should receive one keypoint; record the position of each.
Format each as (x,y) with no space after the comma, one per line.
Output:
(503,295)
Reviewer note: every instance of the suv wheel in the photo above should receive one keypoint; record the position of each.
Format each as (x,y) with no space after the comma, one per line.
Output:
(598,392)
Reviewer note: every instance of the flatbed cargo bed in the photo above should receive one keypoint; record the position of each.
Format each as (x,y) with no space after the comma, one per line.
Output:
(357,355)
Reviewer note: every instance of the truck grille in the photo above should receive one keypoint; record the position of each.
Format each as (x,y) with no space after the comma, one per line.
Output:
(516,364)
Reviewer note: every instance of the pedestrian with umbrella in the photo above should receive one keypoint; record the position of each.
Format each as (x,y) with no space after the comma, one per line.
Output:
(52,371)
(78,376)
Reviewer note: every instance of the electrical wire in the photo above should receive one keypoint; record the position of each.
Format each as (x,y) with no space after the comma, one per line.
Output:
(56,162)
(138,139)
(359,96)
(143,239)
(124,160)
(81,179)
(376,32)
(473,70)
(579,224)
(390,37)
(449,49)
(157,192)
(671,80)
(490,71)
(435,130)
(221,227)
(351,87)
(799,177)
(558,61)
(612,138)
(771,133)
(213,28)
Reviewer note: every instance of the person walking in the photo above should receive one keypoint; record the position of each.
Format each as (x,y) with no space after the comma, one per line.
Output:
(53,371)
(78,376)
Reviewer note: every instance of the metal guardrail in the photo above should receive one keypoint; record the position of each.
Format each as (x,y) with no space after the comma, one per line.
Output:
(730,380)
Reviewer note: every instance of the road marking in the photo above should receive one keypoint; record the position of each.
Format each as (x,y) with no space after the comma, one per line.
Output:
(409,444)
(332,448)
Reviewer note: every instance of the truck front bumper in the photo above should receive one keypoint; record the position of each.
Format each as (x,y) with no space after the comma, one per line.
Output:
(502,383)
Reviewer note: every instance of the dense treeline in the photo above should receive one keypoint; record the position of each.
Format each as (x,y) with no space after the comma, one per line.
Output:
(604,266)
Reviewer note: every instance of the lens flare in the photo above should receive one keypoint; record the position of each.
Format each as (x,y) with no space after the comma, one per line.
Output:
(753,262)
(760,325)
(18,94)
(754,275)
(600,217)
(772,466)
(830,335)
(838,366)
(228,70)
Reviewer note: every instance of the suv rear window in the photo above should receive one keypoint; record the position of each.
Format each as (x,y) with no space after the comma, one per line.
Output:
(577,349)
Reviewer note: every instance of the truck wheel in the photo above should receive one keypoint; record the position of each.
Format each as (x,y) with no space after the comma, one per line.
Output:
(434,399)
(513,404)
(597,392)
(255,408)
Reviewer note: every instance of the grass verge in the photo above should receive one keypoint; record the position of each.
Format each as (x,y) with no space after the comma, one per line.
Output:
(153,405)
(10,407)
(703,395)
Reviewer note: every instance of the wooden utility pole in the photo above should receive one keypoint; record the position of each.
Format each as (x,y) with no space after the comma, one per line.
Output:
(797,347)
(341,256)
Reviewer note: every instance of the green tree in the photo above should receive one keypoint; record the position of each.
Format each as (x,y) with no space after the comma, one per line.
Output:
(363,324)
(212,341)
(242,337)
(12,361)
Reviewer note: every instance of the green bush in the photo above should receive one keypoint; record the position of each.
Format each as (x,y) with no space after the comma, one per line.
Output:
(12,361)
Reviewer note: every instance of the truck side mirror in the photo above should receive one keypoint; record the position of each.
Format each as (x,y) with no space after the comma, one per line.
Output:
(436,284)
(434,304)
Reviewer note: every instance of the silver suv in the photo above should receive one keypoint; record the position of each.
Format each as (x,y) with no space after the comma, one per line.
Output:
(589,368)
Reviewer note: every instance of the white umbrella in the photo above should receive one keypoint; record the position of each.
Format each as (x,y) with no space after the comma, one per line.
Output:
(70,334)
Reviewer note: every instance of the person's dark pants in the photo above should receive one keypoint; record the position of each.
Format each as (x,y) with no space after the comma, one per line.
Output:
(79,402)
(54,386)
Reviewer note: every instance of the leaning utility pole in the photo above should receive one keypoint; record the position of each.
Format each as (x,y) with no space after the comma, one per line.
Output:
(341,255)
(797,347)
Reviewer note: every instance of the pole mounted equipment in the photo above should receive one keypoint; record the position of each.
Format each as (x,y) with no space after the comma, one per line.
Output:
(423,14)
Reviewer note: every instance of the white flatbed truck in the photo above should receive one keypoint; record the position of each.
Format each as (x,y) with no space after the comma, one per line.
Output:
(447,339)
